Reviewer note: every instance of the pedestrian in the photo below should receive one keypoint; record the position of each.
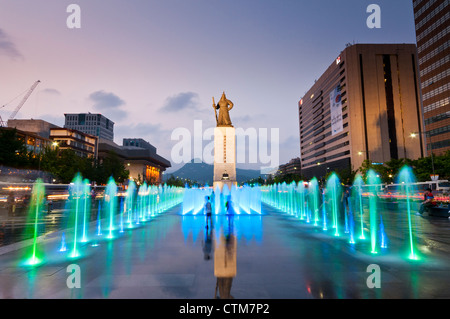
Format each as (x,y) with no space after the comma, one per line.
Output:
(228,205)
(428,201)
(208,210)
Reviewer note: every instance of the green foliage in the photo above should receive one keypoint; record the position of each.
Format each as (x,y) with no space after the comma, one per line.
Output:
(63,164)
(259,181)
(111,166)
(422,168)
(346,175)
(175,181)
(288,178)
(13,151)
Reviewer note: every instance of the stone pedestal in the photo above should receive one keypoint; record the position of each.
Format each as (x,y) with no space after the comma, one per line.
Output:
(224,157)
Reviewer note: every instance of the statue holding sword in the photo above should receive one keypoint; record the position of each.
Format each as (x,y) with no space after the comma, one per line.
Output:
(224,106)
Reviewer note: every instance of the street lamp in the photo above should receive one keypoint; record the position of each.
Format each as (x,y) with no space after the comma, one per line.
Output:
(414,135)
(360,153)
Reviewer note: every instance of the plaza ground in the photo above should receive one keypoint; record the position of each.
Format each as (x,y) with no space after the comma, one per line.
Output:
(277,257)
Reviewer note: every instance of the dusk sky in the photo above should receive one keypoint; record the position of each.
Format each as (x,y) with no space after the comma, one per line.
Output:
(154,66)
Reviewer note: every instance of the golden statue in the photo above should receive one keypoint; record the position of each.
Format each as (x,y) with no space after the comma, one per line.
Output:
(224,106)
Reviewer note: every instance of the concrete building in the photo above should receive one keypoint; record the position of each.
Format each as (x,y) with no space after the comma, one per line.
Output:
(139,143)
(143,163)
(294,167)
(92,124)
(39,127)
(34,143)
(365,106)
(83,144)
(432,19)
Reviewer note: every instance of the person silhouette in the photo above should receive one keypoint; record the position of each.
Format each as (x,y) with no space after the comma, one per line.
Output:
(207,244)
(208,211)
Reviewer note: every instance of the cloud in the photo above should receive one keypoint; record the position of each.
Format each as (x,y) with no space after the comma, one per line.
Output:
(104,100)
(109,104)
(181,101)
(8,48)
(51,91)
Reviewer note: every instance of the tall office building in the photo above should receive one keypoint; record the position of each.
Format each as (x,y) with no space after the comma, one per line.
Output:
(93,124)
(365,106)
(432,19)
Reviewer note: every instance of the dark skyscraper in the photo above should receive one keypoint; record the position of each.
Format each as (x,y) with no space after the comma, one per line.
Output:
(432,18)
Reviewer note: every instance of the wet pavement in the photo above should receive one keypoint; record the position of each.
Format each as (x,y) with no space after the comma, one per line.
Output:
(268,256)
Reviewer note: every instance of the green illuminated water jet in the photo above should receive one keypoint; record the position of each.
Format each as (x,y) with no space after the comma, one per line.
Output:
(406,177)
(34,217)
(76,201)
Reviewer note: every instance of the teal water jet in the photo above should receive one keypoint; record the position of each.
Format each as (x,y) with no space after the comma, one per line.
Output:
(129,202)
(313,192)
(334,197)
(357,194)
(86,209)
(324,210)
(111,204)
(374,183)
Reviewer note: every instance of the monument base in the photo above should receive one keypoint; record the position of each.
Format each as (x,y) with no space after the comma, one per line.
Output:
(224,157)
(221,184)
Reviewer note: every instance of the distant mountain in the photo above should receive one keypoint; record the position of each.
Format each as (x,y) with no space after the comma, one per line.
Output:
(204,173)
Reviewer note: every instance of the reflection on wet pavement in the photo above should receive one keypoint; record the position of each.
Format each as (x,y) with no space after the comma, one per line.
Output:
(272,255)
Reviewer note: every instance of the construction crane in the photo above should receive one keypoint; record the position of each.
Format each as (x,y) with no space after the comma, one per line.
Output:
(19,106)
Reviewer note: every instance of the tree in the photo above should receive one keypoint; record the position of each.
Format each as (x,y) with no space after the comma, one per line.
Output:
(111,166)
(423,167)
(367,166)
(173,181)
(13,151)
(346,175)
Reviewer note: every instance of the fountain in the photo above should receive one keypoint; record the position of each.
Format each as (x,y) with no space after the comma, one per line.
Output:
(110,201)
(78,215)
(35,256)
(356,197)
(86,209)
(373,186)
(406,177)
(129,203)
(333,195)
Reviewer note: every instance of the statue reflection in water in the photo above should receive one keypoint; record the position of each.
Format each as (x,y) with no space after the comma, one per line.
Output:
(225,261)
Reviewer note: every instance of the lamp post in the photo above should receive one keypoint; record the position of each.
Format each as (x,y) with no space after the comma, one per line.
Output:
(414,135)
(360,153)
